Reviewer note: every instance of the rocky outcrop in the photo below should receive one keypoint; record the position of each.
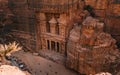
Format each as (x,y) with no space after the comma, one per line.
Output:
(11,70)
(90,50)
(103,73)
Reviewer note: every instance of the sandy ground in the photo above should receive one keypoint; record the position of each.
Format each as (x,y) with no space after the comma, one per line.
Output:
(42,66)
(54,56)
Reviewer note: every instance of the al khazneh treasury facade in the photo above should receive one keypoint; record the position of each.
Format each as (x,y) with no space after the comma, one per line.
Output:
(52,26)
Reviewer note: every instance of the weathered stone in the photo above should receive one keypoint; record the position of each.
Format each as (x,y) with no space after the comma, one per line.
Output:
(90,50)
(11,70)
(88,46)
(104,73)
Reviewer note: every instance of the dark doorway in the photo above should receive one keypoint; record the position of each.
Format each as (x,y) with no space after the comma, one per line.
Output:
(48,44)
(52,45)
(58,46)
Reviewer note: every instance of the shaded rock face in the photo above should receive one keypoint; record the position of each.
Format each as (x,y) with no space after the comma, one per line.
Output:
(90,50)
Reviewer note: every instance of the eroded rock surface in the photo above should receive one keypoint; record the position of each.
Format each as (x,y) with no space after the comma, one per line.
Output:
(11,70)
(90,50)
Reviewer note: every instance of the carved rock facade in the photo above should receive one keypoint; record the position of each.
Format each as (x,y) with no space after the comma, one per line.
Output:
(48,25)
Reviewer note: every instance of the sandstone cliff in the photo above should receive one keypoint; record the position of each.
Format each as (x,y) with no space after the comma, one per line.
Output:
(90,50)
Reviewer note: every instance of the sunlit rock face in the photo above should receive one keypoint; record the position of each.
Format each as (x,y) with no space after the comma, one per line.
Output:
(90,50)
(103,73)
(10,70)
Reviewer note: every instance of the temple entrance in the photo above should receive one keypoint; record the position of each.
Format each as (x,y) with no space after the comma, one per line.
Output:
(53,46)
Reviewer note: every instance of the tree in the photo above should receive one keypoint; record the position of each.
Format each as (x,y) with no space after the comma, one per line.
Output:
(6,50)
